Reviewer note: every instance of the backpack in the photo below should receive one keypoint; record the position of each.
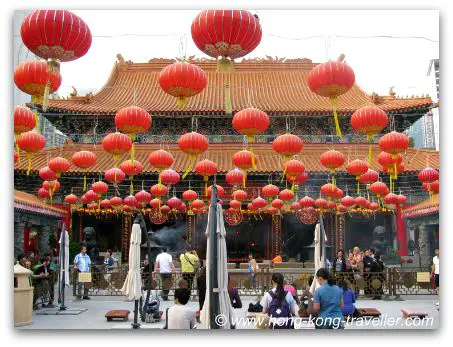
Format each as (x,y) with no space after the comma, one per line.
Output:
(279,310)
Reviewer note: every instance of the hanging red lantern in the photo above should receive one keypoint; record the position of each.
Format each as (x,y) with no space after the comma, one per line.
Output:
(126,209)
(189,195)
(161,159)
(206,168)
(394,143)
(33,77)
(169,177)
(286,195)
(198,204)
(51,186)
(93,206)
(114,175)
(374,206)
(369,120)
(273,210)
(131,168)
(183,80)
(192,144)
(306,201)
(391,173)
(235,204)
(361,201)
(348,201)
(116,144)
(337,194)
(391,199)
(295,206)
(116,201)
(251,122)
(327,189)
(91,195)
(100,188)
(84,199)
(432,188)
(174,203)
(71,199)
(298,180)
(428,175)
(133,120)
(357,168)
(84,160)
(182,208)
(47,174)
(105,203)
(130,201)
(321,203)
(331,205)
(58,165)
(250,207)
(401,199)
(220,191)
(164,209)
(380,189)
(277,203)
(244,160)
(330,80)
(292,169)
(369,177)
(239,195)
(332,160)
(341,209)
(159,190)
(287,145)
(155,203)
(234,177)
(143,197)
(24,120)
(43,193)
(269,191)
(259,202)
(31,143)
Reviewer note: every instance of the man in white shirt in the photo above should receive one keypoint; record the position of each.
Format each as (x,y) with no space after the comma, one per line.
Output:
(435,271)
(180,316)
(164,265)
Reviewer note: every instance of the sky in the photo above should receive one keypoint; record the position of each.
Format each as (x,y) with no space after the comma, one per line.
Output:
(378,63)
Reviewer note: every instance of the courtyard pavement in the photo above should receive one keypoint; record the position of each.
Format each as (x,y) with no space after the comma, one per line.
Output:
(95,309)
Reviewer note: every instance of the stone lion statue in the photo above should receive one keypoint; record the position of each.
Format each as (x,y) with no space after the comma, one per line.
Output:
(89,239)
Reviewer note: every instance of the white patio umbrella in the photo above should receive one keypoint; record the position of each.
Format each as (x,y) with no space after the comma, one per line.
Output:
(64,257)
(132,287)
(225,308)
(320,252)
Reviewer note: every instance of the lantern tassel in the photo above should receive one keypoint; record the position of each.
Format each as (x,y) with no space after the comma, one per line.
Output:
(391,184)
(293,186)
(192,158)
(132,153)
(17,150)
(358,185)
(85,181)
(37,121)
(131,187)
(334,103)
(253,158)
(182,102)
(29,156)
(395,170)
(284,173)
(370,155)
(227,94)
(244,178)
(205,185)
(45,98)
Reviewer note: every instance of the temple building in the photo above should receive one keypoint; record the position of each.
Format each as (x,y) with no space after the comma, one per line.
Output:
(276,86)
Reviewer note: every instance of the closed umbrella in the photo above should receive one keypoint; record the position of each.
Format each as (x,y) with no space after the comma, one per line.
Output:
(320,251)
(226,314)
(64,264)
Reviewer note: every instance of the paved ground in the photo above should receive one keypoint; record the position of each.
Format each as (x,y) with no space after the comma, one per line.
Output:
(93,316)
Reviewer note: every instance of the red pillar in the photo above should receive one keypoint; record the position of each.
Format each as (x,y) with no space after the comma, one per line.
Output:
(401,232)
(26,240)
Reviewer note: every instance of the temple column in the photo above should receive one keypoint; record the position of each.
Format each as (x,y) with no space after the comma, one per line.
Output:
(44,238)
(19,227)
(276,235)
(401,233)
(425,255)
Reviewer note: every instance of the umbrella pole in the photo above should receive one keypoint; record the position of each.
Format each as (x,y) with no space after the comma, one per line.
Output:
(63,265)
(213,283)
(136,325)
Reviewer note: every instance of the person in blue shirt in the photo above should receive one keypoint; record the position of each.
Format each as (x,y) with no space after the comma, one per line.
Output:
(327,302)
(349,308)
(109,261)
(82,263)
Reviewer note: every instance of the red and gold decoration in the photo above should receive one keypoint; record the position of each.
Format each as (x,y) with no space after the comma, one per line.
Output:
(47,174)
(133,120)
(183,80)
(427,177)
(105,203)
(244,160)
(369,120)
(71,200)
(220,191)
(143,197)
(193,144)
(100,188)
(269,191)
(357,168)
(233,217)
(24,120)
(332,160)
(308,215)
(159,190)
(58,165)
(130,201)
(206,168)
(330,80)
(169,177)
(259,203)
(131,168)
(114,176)
(190,195)
(52,187)
(84,160)
(297,180)
(293,168)
(161,160)
(394,143)
(306,201)
(31,143)
(116,202)
(234,177)
(174,203)
(116,144)
(287,145)
(43,193)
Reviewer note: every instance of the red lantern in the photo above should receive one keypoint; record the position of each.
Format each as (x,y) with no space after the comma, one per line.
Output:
(331,205)
(91,195)
(43,193)
(348,201)
(330,80)
(130,201)
(16,157)
(127,209)
(272,210)
(357,168)
(24,120)
(206,168)
(369,177)
(183,80)
(198,204)
(71,199)
(58,165)
(160,159)
(369,120)
(341,209)
(269,191)
(131,168)
(277,203)
(169,177)
(143,197)
(321,203)
(251,122)
(332,160)
(373,206)
(306,201)
(250,207)
(93,206)
(155,203)
(235,204)
(259,202)
(391,199)
(380,189)
(394,143)
(192,144)
(432,188)
(47,174)
(84,160)
(361,201)
(51,186)
(220,191)
(114,175)
(292,169)
(328,189)
(428,175)
(105,203)
(116,144)
(133,120)
(31,143)
(84,199)
(286,195)
(159,190)
(189,195)
(182,208)
(401,199)
(234,177)
(164,209)
(295,206)
(116,201)
(298,180)
(100,188)
(174,203)
(245,160)
(287,145)
(337,194)
(239,195)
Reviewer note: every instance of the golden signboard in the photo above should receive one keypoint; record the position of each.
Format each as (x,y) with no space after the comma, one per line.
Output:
(84,277)
(423,277)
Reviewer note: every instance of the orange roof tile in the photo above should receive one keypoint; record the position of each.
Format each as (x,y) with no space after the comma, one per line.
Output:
(32,203)
(268,160)
(426,207)
(277,87)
